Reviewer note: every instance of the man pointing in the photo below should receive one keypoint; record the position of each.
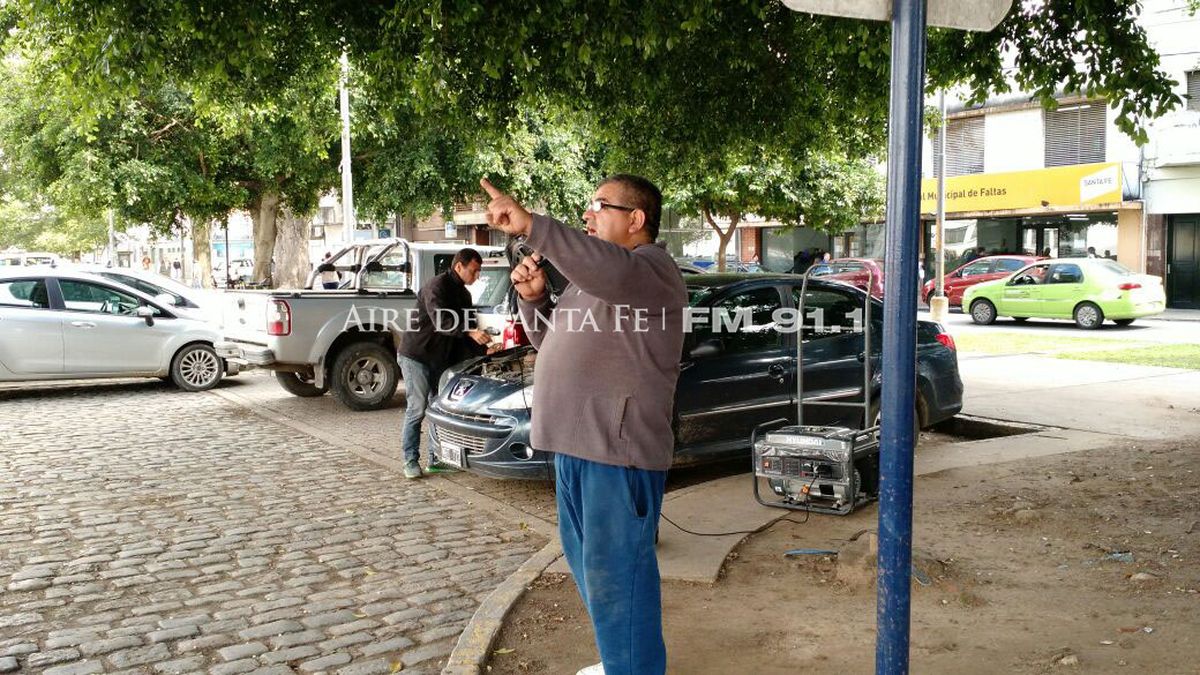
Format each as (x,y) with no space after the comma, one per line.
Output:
(604,399)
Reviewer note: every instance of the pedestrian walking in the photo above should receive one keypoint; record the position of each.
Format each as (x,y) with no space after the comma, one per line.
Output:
(603,400)
(440,336)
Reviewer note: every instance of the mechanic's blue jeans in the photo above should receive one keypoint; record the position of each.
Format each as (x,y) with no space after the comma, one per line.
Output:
(420,386)
(607,516)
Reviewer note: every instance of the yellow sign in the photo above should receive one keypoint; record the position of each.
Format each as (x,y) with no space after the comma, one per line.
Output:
(1062,186)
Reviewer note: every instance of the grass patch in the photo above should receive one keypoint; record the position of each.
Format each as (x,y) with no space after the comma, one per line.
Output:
(1010,342)
(1167,356)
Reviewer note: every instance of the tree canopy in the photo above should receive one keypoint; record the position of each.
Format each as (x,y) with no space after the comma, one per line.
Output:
(710,98)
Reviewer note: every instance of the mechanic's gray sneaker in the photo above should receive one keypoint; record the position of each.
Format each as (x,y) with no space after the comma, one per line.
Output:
(412,469)
(597,669)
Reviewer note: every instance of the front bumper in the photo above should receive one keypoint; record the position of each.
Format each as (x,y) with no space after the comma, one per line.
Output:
(494,445)
(255,355)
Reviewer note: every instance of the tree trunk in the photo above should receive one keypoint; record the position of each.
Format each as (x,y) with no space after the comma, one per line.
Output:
(202,252)
(291,252)
(725,236)
(265,210)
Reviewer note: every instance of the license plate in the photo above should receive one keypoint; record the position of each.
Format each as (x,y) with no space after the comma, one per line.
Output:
(451,454)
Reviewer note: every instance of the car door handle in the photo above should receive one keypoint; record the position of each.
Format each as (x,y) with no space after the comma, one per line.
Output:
(862,356)
(83,324)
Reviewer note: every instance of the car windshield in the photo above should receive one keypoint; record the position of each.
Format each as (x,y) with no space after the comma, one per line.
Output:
(698,294)
(144,286)
(491,288)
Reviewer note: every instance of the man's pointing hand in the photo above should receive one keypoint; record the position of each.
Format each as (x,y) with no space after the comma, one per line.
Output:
(504,213)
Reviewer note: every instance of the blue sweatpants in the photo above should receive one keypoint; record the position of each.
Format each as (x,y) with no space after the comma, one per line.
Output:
(607,516)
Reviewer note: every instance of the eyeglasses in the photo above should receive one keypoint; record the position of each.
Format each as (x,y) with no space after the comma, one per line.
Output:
(596,206)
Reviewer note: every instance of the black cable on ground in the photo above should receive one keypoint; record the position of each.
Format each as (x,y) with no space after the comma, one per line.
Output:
(764,528)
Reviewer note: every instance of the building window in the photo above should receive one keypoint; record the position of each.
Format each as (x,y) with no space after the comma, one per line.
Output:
(964,147)
(1075,134)
(1193,90)
(316,231)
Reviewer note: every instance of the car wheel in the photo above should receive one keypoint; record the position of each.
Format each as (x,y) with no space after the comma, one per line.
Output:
(983,312)
(197,367)
(364,377)
(299,385)
(1123,322)
(1088,316)
(877,416)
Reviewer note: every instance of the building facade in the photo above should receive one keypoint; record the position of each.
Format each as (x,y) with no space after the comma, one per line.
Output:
(1066,182)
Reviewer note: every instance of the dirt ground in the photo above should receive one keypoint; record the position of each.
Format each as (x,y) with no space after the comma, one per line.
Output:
(1019,560)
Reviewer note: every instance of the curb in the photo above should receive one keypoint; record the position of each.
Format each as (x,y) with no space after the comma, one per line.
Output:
(474,646)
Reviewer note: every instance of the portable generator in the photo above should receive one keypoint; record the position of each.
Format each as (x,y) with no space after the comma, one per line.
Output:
(823,469)
(826,469)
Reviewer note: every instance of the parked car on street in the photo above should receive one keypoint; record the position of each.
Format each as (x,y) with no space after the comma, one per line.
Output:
(858,272)
(241,270)
(201,302)
(59,324)
(344,340)
(976,272)
(1087,290)
(12,258)
(730,381)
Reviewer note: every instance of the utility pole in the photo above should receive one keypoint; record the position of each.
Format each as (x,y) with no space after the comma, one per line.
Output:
(939,305)
(348,220)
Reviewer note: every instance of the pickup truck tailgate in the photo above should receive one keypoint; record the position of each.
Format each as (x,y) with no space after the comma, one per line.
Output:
(244,316)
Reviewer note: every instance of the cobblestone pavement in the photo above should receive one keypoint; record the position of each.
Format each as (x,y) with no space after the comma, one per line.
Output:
(147,530)
(379,430)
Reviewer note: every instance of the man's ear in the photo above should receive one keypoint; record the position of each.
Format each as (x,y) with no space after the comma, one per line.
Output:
(637,222)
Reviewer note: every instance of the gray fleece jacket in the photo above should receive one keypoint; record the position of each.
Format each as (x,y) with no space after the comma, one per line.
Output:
(608,352)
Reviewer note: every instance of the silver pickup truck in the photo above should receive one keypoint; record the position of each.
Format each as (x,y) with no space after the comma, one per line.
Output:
(344,340)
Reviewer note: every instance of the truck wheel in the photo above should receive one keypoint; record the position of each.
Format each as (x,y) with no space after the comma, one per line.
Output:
(197,367)
(299,385)
(364,376)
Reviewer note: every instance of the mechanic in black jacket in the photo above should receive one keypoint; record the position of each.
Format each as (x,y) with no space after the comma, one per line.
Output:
(441,336)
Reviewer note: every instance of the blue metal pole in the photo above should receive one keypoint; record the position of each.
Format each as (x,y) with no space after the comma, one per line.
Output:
(899,335)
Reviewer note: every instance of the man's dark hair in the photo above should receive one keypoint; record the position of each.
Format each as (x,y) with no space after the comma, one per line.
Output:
(641,194)
(466,256)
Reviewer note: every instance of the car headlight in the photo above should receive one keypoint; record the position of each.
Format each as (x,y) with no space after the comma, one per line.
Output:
(521,399)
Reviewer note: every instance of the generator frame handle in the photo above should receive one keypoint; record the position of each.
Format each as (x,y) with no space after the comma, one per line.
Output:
(867,423)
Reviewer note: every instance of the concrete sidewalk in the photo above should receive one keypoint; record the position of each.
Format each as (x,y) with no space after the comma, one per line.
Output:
(1085,405)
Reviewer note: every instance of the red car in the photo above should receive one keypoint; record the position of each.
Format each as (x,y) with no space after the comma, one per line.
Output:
(975,272)
(853,271)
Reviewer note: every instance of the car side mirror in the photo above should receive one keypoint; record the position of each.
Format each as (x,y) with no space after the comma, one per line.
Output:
(165,298)
(707,348)
(146,313)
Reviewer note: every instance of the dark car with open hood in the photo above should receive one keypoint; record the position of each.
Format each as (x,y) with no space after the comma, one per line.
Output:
(737,371)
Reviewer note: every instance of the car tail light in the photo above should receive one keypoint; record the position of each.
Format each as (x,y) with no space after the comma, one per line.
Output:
(279,318)
(947,339)
(514,335)
(1129,286)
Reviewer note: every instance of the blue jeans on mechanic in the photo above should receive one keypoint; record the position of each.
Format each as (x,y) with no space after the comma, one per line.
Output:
(420,386)
(607,517)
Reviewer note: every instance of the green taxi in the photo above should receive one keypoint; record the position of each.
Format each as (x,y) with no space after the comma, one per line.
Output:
(1086,290)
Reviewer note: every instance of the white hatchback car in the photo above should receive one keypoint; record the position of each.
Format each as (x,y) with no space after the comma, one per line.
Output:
(57,324)
(199,301)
